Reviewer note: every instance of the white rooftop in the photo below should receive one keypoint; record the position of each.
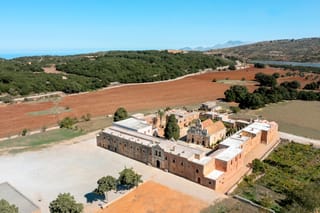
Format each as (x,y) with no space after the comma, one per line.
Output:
(132,123)
(257,127)
(229,153)
(215,174)
(235,140)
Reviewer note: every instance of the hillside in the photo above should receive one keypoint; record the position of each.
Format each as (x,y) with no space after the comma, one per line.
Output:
(79,73)
(300,50)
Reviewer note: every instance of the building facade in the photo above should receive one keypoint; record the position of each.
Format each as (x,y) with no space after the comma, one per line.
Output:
(206,133)
(196,163)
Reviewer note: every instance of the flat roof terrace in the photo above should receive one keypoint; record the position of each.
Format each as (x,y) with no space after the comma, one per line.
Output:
(178,148)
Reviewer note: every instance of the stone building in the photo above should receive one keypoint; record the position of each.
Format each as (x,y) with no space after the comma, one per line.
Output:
(213,169)
(206,133)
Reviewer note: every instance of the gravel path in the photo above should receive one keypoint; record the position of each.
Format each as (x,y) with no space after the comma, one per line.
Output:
(300,139)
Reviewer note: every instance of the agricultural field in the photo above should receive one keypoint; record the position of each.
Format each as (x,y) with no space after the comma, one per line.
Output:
(287,181)
(296,117)
(134,97)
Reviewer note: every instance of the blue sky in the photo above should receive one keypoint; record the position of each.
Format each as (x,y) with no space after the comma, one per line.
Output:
(37,25)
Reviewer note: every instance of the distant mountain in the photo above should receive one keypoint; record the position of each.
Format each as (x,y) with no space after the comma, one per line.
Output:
(299,50)
(217,46)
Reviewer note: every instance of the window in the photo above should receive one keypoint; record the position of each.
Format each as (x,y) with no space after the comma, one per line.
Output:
(197,171)
(166,158)
(173,161)
(210,182)
(159,154)
(156,153)
(181,163)
(125,145)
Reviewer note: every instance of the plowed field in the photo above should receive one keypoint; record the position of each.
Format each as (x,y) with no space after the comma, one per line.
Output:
(190,90)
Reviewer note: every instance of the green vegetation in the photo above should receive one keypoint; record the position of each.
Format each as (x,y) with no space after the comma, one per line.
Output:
(291,84)
(265,80)
(296,117)
(68,122)
(6,207)
(120,114)
(81,73)
(289,179)
(236,93)
(65,203)
(300,50)
(231,205)
(52,111)
(301,69)
(312,86)
(268,93)
(259,65)
(40,139)
(129,178)
(172,130)
(106,184)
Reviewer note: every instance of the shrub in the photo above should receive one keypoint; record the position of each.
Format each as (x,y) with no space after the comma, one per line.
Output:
(24,132)
(120,114)
(214,80)
(67,122)
(259,65)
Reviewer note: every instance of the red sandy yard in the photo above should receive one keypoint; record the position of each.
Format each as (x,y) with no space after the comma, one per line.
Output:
(190,90)
(156,198)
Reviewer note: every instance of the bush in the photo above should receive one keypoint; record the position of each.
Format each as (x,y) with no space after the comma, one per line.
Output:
(214,80)
(259,65)
(86,117)
(65,203)
(291,84)
(257,166)
(68,122)
(276,75)
(6,207)
(232,67)
(24,132)
(120,114)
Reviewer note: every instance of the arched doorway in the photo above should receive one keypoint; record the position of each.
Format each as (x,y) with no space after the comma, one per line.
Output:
(158,164)
(199,180)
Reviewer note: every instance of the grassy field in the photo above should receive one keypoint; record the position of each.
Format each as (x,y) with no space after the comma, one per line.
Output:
(296,117)
(51,111)
(237,82)
(282,178)
(39,140)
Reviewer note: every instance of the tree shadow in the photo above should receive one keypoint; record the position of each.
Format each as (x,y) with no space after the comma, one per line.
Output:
(92,197)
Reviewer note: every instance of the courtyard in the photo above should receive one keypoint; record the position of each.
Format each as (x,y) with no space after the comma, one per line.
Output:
(41,175)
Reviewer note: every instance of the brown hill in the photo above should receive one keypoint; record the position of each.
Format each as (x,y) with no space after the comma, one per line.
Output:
(300,50)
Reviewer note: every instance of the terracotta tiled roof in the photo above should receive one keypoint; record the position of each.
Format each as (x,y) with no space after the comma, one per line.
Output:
(212,127)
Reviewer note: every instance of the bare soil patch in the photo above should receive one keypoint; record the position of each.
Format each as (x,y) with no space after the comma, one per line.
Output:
(186,91)
(156,198)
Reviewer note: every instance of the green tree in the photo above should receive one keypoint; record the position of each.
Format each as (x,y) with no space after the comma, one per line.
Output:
(129,178)
(236,93)
(172,129)
(252,101)
(105,184)
(65,203)
(120,114)
(6,207)
(265,80)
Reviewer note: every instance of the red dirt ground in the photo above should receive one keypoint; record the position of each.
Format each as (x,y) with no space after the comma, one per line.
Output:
(190,90)
(156,198)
